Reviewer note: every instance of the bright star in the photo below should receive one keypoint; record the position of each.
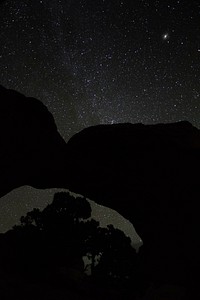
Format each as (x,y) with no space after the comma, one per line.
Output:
(165,36)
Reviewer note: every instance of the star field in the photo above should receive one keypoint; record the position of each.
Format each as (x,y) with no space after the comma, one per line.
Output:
(104,61)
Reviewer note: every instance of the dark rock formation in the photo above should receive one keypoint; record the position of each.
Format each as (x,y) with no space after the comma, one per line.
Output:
(148,173)
(29,142)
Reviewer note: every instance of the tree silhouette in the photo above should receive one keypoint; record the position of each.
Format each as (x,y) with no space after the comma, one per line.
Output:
(57,233)
(32,218)
(62,234)
(117,259)
(64,210)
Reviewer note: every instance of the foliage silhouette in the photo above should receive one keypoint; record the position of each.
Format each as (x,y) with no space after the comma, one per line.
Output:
(116,253)
(60,227)
(49,244)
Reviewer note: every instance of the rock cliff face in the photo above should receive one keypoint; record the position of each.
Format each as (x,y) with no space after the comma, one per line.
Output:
(148,173)
(29,141)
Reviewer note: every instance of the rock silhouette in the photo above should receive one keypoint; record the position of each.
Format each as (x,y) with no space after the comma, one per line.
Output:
(30,142)
(148,173)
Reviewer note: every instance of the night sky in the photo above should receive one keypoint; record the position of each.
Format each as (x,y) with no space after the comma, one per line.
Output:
(104,61)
